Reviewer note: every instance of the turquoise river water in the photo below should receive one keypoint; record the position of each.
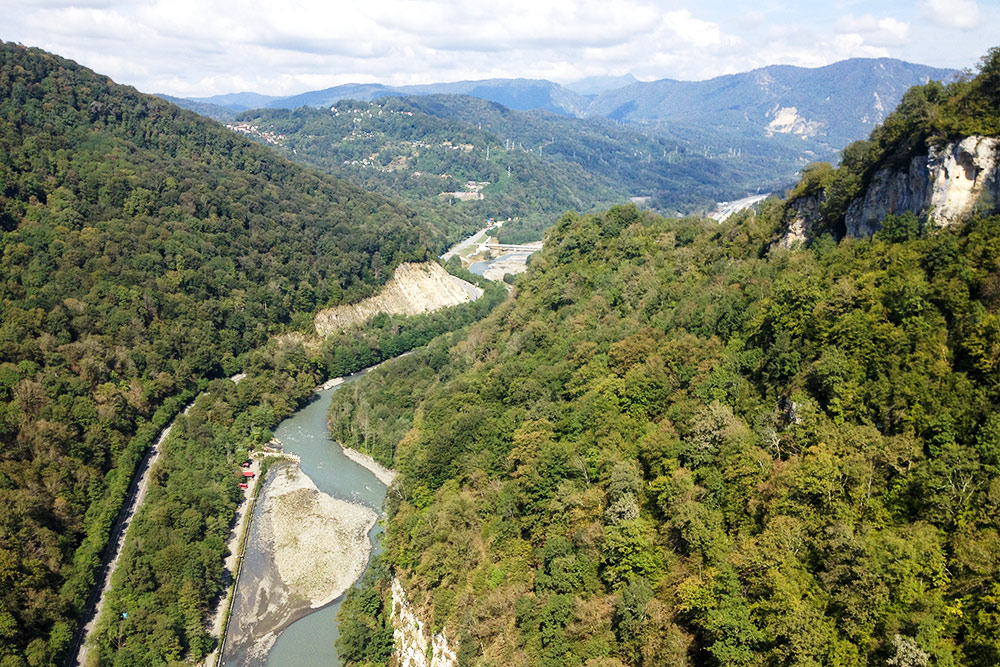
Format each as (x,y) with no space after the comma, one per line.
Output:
(308,642)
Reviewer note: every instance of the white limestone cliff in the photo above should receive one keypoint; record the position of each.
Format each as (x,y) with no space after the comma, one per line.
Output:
(944,186)
(801,214)
(411,646)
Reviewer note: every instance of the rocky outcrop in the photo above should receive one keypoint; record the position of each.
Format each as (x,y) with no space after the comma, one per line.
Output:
(801,214)
(942,187)
(411,645)
(413,289)
(788,121)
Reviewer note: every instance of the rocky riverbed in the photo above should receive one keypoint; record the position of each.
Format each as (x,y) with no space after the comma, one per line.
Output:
(306,548)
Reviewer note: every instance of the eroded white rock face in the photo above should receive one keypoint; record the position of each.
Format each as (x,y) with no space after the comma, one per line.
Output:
(411,640)
(802,212)
(788,121)
(413,289)
(943,187)
(962,177)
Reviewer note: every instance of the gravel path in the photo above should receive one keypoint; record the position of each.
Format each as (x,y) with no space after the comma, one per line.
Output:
(233,545)
(137,493)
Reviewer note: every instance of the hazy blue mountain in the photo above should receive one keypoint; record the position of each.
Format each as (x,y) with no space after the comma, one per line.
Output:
(238,101)
(518,94)
(521,94)
(213,111)
(595,85)
(834,105)
(363,92)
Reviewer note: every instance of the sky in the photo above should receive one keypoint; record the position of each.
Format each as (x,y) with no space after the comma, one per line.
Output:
(192,48)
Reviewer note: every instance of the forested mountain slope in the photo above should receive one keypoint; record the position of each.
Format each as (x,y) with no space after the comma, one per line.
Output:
(682,444)
(684,143)
(669,450)
(422,146)
(678,167)
(837,102)
(213,111)
(392,147)
(908,157)
(142,249)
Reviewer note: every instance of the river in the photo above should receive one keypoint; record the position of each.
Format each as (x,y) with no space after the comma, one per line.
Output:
(309,641)
(494,269)
(491,269)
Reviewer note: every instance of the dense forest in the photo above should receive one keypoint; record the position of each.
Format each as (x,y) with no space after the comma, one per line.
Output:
(421,146)
(144,251)
(388,147)
(372,416)
(682,444)
(170,572)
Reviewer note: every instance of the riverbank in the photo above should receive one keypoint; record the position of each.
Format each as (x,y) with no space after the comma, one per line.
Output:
(330,384)
(496,269)
(236,546)
(385,475)
(305,549)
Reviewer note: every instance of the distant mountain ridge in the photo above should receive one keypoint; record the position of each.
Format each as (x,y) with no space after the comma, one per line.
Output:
(834,104)
(216,111)
(520,94)
(682,143)
(239,101)
(595,85)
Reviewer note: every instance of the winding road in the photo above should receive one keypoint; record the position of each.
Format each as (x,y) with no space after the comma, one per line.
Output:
(137,493)
(462,245)
(139,486)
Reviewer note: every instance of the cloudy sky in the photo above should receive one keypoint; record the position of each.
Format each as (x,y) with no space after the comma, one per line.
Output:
(206,47)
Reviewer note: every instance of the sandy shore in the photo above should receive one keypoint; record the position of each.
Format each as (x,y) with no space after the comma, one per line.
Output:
(330,384)
(306,549)
(385,475)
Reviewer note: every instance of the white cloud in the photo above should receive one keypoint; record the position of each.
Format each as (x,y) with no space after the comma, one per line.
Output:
(961,14)
(751,19)
(875,31)
(203,47)
(681,25)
